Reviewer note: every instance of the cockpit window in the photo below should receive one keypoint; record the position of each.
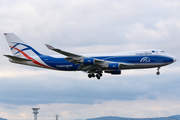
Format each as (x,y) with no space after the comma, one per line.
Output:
(162,51)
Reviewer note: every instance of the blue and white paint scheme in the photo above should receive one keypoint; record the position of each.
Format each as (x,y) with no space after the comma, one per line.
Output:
(94,64)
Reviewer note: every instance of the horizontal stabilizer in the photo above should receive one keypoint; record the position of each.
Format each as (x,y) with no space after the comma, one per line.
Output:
(17,58)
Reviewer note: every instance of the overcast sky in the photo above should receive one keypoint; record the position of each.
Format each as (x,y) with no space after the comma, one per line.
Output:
(90,26)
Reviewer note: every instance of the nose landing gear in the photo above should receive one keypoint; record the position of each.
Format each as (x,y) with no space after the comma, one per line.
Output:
(158,73)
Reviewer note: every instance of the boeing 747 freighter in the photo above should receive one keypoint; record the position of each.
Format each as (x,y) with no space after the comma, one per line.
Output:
(94,64)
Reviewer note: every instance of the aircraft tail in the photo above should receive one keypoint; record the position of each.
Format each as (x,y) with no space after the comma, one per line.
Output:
(18,47)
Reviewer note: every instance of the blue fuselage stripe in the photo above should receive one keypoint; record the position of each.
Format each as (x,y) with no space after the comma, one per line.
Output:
(62,64)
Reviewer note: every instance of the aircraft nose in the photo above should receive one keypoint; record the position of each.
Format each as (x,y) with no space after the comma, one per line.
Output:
(174,59)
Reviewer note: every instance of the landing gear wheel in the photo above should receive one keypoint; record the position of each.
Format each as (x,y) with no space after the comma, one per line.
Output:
(158,73)
(89,75)
(98,76)
(93,75)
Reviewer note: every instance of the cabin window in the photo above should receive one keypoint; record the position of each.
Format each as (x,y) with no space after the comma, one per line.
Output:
(153,51)
(162,51)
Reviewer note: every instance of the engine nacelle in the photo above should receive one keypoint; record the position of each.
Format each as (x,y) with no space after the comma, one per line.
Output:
(113,66)
(114,72)
(89,61)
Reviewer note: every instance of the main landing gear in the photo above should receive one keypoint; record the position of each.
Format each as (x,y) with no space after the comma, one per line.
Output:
(91,75)
(158,73)
(98,75)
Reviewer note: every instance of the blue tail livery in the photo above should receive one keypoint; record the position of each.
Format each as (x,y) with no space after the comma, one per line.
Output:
(93,64)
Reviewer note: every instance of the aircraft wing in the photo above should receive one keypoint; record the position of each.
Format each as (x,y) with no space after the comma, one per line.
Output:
(79,59)
(17,58)
(62,52)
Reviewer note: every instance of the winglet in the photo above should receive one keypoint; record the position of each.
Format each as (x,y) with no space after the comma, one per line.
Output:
(49,47)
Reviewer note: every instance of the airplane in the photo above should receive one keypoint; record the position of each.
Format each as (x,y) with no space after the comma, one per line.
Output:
(93,64)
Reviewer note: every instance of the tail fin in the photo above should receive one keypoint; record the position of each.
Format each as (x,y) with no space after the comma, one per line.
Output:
(18,47)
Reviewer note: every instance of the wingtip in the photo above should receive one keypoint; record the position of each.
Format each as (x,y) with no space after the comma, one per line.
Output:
(46,45)
(49,46)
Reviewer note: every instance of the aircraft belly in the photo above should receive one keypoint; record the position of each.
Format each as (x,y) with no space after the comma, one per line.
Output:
(141,66)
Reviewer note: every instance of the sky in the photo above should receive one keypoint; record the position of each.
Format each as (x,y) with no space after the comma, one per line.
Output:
(90,26)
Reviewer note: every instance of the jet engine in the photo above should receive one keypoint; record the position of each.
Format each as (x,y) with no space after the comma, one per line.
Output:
(113,66)
(89,61)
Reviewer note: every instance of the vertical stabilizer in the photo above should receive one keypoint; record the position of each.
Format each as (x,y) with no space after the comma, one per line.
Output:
(18,47)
